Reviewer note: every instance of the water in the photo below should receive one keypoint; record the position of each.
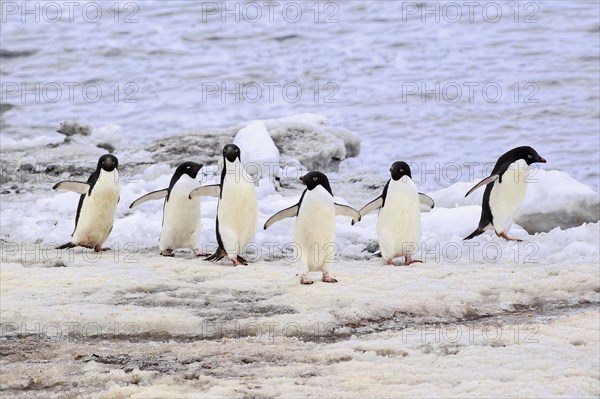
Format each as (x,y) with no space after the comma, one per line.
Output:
(355,62)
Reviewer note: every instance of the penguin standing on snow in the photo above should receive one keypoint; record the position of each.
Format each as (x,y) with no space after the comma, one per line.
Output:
(237,210)
(505,191)
(314,231)
(97,204)
(399,221)
(181,215)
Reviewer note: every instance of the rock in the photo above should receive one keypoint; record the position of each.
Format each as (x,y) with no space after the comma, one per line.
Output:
(106,146)
(204,148)
(307,138)
(26,167)
(71,128)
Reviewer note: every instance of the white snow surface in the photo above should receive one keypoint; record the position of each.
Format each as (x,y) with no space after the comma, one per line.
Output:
(183,327)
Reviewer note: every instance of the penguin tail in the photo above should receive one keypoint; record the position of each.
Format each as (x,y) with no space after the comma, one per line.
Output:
(66,246)
(474,234)
(218,255)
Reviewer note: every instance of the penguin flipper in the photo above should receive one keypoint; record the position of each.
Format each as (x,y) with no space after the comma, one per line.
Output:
(213,190)
(154,195)
(75,186)
(484,182)
(345,210)
(370,207)
(427,203)
(285,213)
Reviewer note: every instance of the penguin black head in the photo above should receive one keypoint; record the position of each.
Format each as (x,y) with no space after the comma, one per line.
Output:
(525,153)
(188,168)
(108,163)
(314,179)
(231,152)
(400,169)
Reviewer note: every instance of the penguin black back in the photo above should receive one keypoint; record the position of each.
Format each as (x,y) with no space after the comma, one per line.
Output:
(187,168)
(526,153)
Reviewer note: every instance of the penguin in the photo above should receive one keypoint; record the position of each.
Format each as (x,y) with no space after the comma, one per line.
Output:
(314,230)
(237,209)
(97,205)
(181,215)
(399,220)
(505,190)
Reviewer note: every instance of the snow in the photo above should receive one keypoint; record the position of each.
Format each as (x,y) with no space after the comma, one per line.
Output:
(260,156)
(282,342)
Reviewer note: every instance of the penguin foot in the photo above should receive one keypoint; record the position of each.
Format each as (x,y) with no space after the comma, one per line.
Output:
(217,256)
(328,279)
(409,261)
(507,237)
(197,252)
(390,262)
(240,261)
(98,248)
(167,252)
(304,280)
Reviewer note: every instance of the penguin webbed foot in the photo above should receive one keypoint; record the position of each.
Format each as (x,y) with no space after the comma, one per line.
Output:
(167,252)
(507,237)
(98,248)
(328,279)
(390,262)
(197,252)
(304,280)
(239,261)
(409,261)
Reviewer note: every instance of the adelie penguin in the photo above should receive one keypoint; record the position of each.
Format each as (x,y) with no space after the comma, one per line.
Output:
(97,204)
(314,231)
(237,210)
(181,215)
(399,221)
(505,190)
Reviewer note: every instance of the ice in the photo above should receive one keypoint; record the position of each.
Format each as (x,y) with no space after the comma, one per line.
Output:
(260,156)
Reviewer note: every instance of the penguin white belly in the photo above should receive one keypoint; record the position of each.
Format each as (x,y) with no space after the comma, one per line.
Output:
(507,197)
(181,216)
(399,221)
(237,213)
(97,213)
(314,231)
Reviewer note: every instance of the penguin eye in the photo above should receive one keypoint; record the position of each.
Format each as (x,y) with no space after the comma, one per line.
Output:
(315,178)
(187,167)
(236,150)
(401,170)
(529,156)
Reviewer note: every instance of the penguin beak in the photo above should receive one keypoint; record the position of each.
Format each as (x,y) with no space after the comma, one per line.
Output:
(542,160)
(301,178)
